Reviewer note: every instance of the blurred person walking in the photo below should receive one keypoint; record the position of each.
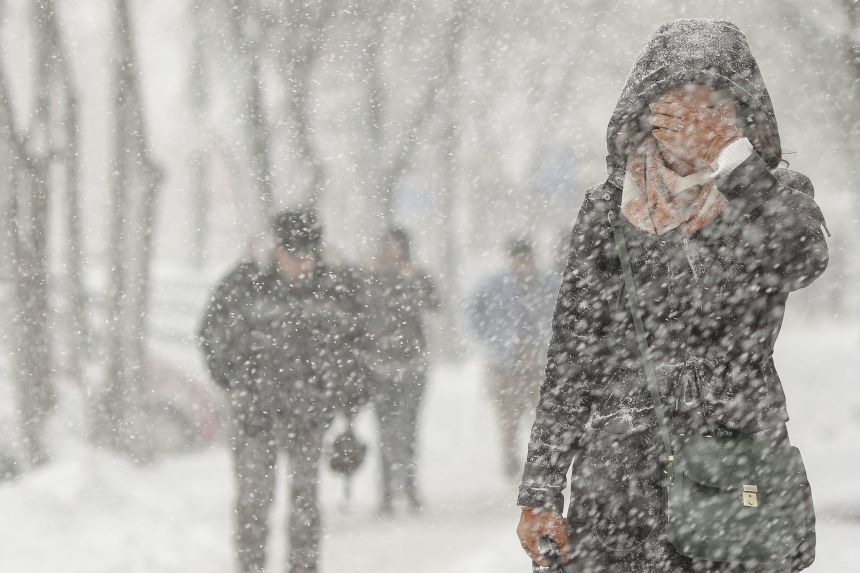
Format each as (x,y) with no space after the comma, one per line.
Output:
(660,386)
(282,340)
(510,314)
(398,295)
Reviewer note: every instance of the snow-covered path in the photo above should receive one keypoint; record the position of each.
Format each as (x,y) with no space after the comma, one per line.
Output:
(90,512)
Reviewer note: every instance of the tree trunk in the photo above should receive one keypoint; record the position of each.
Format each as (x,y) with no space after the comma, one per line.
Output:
(78,331)
(134,192)
(36,395)
(259,133)
(257,124)
(36,154)
(454,251)
(392,167)
(199,160)
(59,87)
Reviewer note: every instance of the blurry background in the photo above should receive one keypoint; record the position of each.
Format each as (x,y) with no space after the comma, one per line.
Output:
(144,142)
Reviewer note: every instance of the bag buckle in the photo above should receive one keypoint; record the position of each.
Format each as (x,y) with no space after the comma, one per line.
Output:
(750,495)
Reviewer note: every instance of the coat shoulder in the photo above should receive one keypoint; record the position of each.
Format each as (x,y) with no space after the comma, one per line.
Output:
(799,197)
(594,193)
(794,180)
(599,199)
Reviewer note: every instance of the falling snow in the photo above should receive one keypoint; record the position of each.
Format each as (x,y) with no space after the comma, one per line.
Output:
(328,285)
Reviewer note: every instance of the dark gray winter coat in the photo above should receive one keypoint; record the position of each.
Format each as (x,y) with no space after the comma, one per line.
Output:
(220,325)
(396,305)
(713,307)
(290,353)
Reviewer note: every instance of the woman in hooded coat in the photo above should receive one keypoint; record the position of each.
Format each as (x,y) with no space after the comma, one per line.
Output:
(718,235)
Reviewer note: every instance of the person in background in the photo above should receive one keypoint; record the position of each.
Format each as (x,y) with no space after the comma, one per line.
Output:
(511,314)
(398,296)
(282,339)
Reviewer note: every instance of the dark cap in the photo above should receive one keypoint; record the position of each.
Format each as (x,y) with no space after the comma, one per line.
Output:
(297,230)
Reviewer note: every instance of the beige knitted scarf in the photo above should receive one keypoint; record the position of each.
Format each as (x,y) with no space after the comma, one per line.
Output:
(655,199)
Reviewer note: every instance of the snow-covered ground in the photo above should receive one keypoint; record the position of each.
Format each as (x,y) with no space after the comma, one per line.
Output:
(91,512)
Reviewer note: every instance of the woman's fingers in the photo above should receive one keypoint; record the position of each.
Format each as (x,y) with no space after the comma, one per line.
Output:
(528,532)
(693,133)
(558,533)
(677,143)
(688,115)
(530,544)
(671,138)
(536,525)
(667,122)
(673,109)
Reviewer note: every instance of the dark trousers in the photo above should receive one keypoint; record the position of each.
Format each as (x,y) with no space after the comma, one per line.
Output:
(397,402)
(255,457)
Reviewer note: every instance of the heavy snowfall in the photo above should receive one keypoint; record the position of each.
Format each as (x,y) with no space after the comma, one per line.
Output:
(341,286)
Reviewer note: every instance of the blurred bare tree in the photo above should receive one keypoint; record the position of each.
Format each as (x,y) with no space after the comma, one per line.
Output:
(248,26)
(200,167)
(43,165)
(134,184)
(434,115)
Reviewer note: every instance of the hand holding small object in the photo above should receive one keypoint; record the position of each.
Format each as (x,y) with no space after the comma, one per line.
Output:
(538,524)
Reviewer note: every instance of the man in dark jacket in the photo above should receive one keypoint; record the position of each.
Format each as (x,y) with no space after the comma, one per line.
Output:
(718,237)
(398,295)
(282,341)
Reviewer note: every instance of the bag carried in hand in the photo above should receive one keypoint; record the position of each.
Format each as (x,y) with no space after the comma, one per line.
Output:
(741,500)
(347,454)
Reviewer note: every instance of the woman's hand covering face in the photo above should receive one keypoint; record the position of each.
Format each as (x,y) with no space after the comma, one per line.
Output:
(694,124)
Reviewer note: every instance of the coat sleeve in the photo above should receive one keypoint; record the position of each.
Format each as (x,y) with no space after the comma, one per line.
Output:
(781,237)
(218,330)
(564,404)
(355,346)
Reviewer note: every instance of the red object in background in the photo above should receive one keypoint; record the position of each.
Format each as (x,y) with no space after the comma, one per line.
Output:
(183,411)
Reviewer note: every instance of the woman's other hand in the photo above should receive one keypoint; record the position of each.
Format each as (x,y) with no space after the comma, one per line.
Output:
(538,523)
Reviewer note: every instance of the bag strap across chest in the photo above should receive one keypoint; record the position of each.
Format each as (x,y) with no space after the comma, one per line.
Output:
(638,324)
